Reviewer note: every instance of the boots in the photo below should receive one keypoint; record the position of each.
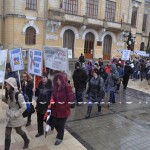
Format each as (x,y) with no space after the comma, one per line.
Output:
(7,144)
(88,112)
(99,110)
(26,141)
(28,123)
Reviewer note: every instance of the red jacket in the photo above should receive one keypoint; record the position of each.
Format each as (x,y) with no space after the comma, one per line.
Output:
(61,95)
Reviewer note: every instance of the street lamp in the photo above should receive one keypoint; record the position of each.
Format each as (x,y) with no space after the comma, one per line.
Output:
(130,40)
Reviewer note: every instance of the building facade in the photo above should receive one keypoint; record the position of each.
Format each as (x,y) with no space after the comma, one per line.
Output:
(96,28)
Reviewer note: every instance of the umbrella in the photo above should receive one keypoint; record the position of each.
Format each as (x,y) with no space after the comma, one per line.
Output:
(47,122)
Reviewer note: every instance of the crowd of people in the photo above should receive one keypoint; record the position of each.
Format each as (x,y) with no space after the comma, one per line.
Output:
(91,80)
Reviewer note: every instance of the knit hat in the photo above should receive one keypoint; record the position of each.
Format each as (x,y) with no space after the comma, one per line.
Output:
(45,74)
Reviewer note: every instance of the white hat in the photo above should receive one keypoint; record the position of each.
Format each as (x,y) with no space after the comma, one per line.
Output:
(12,82)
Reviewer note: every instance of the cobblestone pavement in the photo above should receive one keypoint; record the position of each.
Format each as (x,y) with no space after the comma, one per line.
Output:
(125,126)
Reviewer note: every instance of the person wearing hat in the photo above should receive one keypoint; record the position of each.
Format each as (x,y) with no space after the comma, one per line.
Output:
(14,113)
(43,93)
(94,92)
(79,78)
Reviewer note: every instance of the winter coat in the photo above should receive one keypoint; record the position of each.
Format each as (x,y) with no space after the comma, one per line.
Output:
(95,88)
(81,59)
(103,74)
(79,77)
(112,78)
(43,92)
(61,95)
(14,116)
(27,89)
(127,71)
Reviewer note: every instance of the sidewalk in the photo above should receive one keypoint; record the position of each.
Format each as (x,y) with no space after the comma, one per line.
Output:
(139,85)
(41,143)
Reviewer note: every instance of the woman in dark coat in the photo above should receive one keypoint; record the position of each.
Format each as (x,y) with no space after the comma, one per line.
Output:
(27,86)
(62,96)
(43,92)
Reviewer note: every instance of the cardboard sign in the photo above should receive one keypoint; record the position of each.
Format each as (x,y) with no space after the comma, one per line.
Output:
(126,55)
(16,60)
(3,59)
(35,62)
(56,58)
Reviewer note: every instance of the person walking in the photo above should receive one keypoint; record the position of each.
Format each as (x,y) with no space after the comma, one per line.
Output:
(26,88)
(94,92)
(111,81)
(62,96)
(126,74)
(14,113)
(79,77)
(43,93)
(81,59)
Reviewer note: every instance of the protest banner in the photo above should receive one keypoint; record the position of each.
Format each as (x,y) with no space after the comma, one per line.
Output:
(3,59)
(16,60)
(56,58)
(126,55)
(35,62)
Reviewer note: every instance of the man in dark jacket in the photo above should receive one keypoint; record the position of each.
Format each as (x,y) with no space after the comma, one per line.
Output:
(79,77)
(127,73)
(81,59)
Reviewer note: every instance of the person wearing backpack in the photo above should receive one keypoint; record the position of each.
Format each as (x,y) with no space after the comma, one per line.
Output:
(94,92)
(26,87)
(43,93)
(14,118)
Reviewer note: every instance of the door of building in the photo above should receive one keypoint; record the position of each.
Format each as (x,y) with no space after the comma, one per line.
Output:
(107,45)
(89,46)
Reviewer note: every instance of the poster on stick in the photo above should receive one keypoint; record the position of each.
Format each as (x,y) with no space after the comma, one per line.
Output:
(56,58)
(35,62)
(16,60)
(3,59)
(126,55)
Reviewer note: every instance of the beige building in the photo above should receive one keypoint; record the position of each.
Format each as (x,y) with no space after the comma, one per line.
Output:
(96,28)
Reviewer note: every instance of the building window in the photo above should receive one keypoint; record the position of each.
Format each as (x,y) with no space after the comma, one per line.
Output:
(144,22)
(30,38)
(68,40)
(92,8)
(110,10)
(71,6)
(134,17)
(31,4)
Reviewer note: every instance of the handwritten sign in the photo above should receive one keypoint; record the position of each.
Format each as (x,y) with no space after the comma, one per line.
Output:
(35,62)
(126,55)
(3,59)
(56,58)
(16,60)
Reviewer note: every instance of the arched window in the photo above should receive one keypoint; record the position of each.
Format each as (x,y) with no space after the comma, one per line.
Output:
(68,40)
(30,38)
(89,45)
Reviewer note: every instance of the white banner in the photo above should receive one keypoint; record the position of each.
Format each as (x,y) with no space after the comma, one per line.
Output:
(16,59)
(56,58)
(126,55)
(35,62)
(142,53)
(3,59)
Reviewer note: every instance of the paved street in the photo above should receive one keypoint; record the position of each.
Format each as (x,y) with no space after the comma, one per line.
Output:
(125,126)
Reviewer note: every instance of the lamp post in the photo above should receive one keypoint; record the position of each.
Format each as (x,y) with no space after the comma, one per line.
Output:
(130,40)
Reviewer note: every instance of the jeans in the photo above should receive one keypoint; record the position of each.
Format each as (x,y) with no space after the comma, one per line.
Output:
(79,95)
(112,97)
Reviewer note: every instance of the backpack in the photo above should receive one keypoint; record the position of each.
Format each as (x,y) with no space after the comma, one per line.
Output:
(29,107)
